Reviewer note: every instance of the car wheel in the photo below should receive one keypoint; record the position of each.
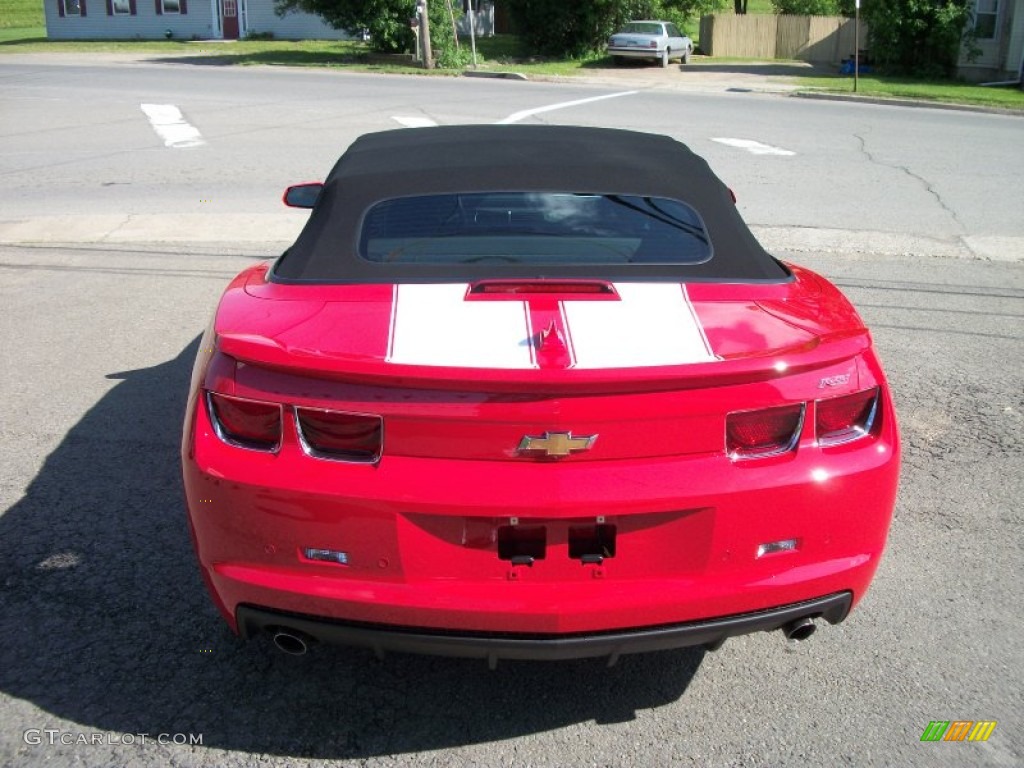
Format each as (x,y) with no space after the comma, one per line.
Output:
(685,58)
(664,57)
(618,61)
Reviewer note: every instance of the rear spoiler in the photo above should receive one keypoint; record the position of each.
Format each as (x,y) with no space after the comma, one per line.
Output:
(819,353)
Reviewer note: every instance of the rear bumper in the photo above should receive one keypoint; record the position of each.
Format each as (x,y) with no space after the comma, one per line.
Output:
(636,53)
(252,620)
(421,539)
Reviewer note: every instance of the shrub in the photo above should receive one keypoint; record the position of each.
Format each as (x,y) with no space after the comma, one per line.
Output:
(917,37)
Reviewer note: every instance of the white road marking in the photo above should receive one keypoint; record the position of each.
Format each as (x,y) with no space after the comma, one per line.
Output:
(170,126)
(414,122)
(755,147)
(515,117)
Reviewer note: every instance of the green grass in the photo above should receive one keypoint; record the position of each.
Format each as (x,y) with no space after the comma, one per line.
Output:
(504,53)
(499,53)
(22,35)
(904,88)
(21,14)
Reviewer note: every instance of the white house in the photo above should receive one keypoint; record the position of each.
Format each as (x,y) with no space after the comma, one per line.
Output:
(197,20)
(180,19)
(998,27)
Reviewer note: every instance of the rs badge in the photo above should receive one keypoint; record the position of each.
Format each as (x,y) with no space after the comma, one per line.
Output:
(555,444)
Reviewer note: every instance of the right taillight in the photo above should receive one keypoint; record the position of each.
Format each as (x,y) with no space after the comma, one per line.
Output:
(764,432)
(340,435)
(246,423)
(845,418)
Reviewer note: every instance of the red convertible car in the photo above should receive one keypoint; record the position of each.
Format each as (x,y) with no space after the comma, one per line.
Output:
(533,392)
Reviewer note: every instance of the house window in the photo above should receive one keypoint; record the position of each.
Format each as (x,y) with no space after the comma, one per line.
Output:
(71,8)
(985,14)
(121,7)
(171,6)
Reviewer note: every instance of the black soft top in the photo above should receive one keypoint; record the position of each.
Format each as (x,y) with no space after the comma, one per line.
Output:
(504,158)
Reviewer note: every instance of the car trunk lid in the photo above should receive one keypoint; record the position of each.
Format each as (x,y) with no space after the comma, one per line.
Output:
(501,371)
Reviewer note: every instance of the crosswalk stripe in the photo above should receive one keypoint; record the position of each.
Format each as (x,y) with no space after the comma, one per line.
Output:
(170,125)
(754,147)
(414,122)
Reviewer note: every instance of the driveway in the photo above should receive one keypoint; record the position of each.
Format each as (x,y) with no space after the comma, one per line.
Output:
(702,74)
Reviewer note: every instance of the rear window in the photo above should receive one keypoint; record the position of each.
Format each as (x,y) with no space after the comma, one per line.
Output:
(641,28)
(533,228)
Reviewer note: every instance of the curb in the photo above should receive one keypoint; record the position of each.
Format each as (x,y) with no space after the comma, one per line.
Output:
(279,230)
(496,75)
(921,103)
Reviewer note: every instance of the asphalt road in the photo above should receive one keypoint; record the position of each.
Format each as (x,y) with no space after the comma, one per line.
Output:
(108,631)
(80,160)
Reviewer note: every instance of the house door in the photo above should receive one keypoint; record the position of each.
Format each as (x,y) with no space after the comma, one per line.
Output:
(229,19)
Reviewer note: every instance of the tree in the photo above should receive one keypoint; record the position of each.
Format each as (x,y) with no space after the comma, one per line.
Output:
(387,21)
(806,7)
(740,6)
(388,24)
(581,27)
(917,37)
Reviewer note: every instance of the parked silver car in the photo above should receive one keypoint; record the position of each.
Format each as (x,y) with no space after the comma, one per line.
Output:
(658,40)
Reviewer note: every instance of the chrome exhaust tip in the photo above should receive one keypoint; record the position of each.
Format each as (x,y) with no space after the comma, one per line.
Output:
(291,643)
(799,629)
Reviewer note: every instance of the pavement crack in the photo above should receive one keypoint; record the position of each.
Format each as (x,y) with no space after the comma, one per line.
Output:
(928,186)
(121,225)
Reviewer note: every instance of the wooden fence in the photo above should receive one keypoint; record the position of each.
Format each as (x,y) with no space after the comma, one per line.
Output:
(821,39)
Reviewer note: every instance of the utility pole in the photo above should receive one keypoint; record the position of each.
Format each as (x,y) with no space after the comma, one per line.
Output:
(472,30)
(428,55)
(856,45)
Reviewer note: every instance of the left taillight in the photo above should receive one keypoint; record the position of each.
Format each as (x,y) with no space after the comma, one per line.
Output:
(252,424)
(762,433)
(339,435)
(842,419)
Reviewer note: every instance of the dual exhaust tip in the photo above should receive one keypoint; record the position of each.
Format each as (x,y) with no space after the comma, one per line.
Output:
(297,644)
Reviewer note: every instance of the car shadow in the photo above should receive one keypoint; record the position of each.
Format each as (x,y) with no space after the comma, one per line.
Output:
(109,627)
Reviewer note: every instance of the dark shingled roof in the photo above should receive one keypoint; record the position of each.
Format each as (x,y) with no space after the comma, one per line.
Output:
(503,158)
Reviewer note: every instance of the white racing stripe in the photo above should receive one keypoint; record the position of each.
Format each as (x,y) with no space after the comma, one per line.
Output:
(755,147)
(653,324)
(435,325)
(170,126)
(414,122)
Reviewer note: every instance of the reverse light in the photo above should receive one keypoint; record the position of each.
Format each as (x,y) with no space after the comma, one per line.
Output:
(251,424)
(842,419)
(773,547)
(325,555)
(339,435)
(762,433)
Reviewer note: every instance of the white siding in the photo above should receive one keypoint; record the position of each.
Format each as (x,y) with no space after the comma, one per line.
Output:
(145,24)
(293,26)
(197,24)
(1000,56)
(1016,48)
(483,20)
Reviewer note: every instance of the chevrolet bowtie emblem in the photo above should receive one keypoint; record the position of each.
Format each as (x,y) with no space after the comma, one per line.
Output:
(556,443)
